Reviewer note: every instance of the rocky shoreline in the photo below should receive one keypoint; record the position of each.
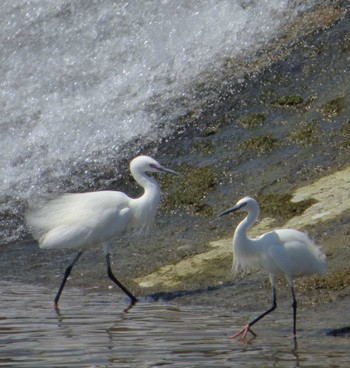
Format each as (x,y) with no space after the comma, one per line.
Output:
(285,140)
(280,133)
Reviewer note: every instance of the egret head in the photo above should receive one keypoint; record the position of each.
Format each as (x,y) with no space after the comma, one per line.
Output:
(148,164)
(247,204)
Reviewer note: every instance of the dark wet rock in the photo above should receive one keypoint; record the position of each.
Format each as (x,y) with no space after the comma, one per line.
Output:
(342,331)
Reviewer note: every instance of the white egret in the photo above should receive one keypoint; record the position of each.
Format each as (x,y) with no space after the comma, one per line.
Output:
(285,252)
(84,220)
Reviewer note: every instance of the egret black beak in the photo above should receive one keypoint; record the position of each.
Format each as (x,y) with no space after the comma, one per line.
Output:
(232,209)
(169,171)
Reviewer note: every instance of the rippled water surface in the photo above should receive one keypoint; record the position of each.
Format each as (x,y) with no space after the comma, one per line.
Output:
(93,330)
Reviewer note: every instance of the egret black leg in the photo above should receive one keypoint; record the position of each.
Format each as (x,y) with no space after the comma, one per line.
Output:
(273,307)
(114,279)
(65,277)
(246,328)
(294,304)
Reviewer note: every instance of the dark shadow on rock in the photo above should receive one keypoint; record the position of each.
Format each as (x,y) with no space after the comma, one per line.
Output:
(342,331)
(171,295)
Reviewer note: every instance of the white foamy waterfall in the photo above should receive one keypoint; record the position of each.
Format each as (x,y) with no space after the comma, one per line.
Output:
(80,79)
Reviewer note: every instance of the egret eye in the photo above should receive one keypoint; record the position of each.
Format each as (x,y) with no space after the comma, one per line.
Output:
(240,206)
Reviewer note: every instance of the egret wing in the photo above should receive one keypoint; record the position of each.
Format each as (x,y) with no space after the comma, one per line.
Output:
(74,220)
(296,258)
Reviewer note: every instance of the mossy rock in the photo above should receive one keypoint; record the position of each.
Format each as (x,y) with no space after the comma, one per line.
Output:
(289,101)
(205,147)
(335,281)
(344,134)
(252,121)
(332,108)
(260,145)
(211,128)
(344,131)
(305,134)
(279,206)
(190,189)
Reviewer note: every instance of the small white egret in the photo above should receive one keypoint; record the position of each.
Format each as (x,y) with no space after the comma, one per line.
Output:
(84,220)
(285,252)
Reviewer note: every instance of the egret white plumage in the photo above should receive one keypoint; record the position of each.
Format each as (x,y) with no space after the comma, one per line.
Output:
(84,220)
(285,252)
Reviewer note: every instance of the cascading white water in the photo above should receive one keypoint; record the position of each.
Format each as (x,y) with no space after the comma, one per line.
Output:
(83,77)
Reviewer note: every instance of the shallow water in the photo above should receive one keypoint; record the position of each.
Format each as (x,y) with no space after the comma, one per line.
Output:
(98,330)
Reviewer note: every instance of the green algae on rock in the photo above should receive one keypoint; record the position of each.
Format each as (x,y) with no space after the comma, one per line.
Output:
(204,147)
(332,108)
(252,121)
(338,280)
(211,129)
(190,189)
(288,101)
(344,135)
(305,134)
(281,207)
(261,145)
